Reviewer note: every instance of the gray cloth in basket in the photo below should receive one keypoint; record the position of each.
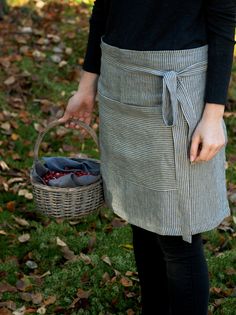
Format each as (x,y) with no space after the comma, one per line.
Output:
(67,165)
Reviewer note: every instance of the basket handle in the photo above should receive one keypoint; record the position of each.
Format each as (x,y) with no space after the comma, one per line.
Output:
(56,123)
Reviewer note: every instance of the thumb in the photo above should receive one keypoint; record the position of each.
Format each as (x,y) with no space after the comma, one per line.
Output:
(64,118)
(194,147)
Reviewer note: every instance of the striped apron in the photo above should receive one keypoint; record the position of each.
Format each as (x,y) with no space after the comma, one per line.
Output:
(150,102)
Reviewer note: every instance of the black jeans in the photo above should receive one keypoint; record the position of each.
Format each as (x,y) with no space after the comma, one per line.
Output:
(173,274)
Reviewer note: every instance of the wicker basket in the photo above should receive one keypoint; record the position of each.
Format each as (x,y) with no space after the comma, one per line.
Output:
(71,203)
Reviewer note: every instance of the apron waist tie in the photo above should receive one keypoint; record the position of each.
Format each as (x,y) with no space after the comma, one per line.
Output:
(173,91)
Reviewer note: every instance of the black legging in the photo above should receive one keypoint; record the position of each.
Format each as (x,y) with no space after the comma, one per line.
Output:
(173,274)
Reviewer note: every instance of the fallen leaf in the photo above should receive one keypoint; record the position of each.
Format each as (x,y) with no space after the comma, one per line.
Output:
(130,311)
(83,294)
(21,221)
(127,246)
(24,238)
(14,136)
(130,273)
(56,58)
(24,284)
(5,311)
(9,304)
(86,259)
(50,300)
(37,298)
(106,277)
(11,205)
(4,166)
(68,254)
(19,311)
(126,282)
(230,271)
(60,242)
(25,193)
(38,127)
(41,310)
(117,222)
(10,80)
(6,287)
(6,126)
(31,264)
(106,259)
(25,296)
(26,30)
(117,273)
(2,232)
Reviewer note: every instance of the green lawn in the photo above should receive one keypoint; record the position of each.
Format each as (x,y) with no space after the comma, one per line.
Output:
(39,275)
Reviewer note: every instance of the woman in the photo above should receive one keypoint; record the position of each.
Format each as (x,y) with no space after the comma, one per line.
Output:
(162,70)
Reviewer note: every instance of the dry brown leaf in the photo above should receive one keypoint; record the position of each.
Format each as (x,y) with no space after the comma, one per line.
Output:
(21,221)
(50,300)
(41,310)
(6,287)
(38,127)
(117,222)
(2,232)
(60,242)
(15,180)
(24,284)
(47,273)
(68,253)
(5,311)
(10,80)
(106,277)
(106,259)
(126,282)
(230,271)
(14,136)
(86,259)
(9,304)
(24,238)
(20,311)
(6,126)
(130,273)
(25,296)
(83,294)
(37,298)
(117,273)
(4,166)
(25,193)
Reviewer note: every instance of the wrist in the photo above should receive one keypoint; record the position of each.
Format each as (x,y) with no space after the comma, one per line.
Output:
(88,81)
(213,111)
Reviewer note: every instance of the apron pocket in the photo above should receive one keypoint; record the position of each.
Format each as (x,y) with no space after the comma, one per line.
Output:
(136,144)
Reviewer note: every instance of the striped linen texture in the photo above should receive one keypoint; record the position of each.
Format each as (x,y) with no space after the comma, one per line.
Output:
(149,105)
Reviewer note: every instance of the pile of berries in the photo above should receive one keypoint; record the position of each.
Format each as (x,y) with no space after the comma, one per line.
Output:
(53,175)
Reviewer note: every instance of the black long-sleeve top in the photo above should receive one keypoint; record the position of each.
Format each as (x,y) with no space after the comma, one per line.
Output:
(164,25)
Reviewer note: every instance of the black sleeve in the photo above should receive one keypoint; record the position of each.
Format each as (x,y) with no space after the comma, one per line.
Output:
(221,16)
(97,24)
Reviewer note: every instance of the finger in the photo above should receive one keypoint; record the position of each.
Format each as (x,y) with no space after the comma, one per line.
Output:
(194,148)
(213,152)
(205,151)
(64,118)
(88,120)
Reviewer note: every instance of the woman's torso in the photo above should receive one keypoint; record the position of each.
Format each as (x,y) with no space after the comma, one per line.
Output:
(155,25)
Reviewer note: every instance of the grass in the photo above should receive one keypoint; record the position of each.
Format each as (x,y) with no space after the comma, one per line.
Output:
(42,96)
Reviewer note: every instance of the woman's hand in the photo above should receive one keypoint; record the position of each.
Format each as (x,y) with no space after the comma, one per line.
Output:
(208,138)
(80,105)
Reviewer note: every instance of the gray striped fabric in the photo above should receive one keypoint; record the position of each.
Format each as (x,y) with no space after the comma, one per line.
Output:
(149,105)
